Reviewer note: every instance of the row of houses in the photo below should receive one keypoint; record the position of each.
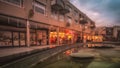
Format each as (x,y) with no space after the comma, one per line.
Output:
(41,22)
(109,33)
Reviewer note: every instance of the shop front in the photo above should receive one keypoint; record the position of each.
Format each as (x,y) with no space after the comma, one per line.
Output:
(63,36)
(39,34)
(12,32)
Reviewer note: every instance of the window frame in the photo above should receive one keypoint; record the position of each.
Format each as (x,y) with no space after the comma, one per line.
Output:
(69,19)
(11,3)
(40,6)
(61,18)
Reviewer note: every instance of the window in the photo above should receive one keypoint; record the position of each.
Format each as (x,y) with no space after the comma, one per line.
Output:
(53,2)
(70,9)
(76,21)
(76,14)
(41,37)
(5,38)
(54,15)
(14,2)
(39,7)
(22,39)
(69,20)
(61,18)
(15,38)
(33,39)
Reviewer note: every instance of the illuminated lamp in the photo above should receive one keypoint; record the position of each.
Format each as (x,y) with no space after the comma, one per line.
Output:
(60,33)
(85,36)
(96,37)
(69,37)
(55,33)
(51,32)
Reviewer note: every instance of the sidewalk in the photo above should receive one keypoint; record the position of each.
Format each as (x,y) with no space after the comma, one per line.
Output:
(11,53)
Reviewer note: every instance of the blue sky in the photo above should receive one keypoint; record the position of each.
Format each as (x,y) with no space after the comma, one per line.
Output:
(103,12)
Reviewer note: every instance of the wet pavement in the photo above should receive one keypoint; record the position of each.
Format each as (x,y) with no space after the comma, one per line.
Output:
(104,58)
(32,59)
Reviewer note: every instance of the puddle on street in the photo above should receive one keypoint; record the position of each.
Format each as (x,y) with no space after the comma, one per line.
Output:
(103,58)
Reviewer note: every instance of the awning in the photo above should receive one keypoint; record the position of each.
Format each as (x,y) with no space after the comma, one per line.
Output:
(20,23)
(10,21)
(34,25)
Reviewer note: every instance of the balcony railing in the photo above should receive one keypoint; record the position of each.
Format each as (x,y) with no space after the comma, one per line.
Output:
(92,25)
(57,5)
(83,22)
(64,10)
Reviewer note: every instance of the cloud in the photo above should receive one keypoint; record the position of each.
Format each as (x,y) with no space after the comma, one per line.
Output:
(103,12)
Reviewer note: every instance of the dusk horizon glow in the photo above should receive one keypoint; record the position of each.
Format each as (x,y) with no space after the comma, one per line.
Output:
(103,12)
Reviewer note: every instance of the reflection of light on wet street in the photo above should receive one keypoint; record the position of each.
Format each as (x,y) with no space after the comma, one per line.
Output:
(104,58)
(100,46)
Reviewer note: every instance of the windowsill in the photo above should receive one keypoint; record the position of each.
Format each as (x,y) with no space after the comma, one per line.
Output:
(41,14)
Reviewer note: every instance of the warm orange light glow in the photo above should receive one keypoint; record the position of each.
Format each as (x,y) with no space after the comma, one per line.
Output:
(85,37)
(52,46)
(68,52)
(96,37)
(69,36)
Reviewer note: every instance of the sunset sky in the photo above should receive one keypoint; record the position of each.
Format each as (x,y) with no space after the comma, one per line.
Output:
(103,12)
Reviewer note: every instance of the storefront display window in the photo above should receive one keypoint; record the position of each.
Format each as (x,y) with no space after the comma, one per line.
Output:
(41,37)
(22,39)
(53,37)
(44,38)
(65,37)
(15,38)
(5,38)
(33,39)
